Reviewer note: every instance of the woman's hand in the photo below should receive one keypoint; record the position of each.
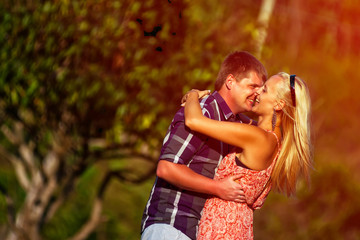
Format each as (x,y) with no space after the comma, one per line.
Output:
(200,93)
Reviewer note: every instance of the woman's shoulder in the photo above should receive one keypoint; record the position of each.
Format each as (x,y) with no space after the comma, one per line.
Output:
(259,155)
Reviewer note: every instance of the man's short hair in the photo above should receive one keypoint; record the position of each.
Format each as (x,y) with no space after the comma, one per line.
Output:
(239,64)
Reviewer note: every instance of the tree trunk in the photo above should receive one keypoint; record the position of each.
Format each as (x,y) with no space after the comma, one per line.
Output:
(295,29)
(263,20)
(38,182)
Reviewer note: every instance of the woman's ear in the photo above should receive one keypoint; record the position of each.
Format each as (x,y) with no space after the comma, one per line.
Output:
(279,105)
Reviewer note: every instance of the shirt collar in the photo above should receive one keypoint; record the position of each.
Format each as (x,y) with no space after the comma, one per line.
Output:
(228,114)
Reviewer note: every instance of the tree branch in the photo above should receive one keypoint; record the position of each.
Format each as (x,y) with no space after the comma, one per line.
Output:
(95,217)
(19,168)
(15,232)
(67,182)
(10,135)
(11,212)
(26,152)
(121,176)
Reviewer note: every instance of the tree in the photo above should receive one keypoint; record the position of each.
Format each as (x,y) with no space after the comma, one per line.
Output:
(75,92)
(263,20)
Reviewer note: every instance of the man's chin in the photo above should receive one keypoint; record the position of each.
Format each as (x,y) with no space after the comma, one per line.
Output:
(250,109)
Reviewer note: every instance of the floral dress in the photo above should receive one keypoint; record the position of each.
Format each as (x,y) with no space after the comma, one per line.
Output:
(230,220)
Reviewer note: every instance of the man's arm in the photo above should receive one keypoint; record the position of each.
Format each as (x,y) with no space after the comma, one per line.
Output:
(185,178)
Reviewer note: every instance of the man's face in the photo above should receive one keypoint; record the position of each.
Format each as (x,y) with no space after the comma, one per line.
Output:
(244,92)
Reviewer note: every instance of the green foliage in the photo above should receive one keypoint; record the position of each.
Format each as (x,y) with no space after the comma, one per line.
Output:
(77,57)
(75,211)
(53,62)
(127,209)
(9,186)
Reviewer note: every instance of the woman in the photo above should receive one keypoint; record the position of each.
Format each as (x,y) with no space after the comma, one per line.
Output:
(274,154)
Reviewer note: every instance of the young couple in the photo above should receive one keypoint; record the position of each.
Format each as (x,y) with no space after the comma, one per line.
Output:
(216,165)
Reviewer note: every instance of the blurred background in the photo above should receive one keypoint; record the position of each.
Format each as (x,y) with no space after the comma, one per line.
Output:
(88,89)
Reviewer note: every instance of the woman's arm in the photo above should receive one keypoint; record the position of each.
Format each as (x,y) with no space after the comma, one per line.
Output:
(236,134)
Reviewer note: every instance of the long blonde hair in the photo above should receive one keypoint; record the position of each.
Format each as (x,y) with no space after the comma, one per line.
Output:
(295,158)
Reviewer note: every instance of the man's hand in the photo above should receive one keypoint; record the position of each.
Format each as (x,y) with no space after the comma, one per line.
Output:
(229,189)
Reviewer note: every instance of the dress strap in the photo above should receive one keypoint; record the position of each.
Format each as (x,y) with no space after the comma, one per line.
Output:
(276,157)
(277,139)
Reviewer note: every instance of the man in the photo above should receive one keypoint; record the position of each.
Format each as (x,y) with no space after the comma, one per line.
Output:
(188,160)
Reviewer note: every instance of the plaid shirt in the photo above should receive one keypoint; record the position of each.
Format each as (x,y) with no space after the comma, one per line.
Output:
(177,207)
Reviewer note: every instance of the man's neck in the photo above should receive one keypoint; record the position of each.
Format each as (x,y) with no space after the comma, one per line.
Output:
(227,98)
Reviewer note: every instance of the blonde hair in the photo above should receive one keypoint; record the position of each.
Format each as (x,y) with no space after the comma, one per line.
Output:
(295,158)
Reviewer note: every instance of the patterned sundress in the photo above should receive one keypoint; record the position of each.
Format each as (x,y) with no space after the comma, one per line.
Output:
(228,220)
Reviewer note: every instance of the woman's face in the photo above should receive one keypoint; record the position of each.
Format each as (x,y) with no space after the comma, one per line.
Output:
(267,97)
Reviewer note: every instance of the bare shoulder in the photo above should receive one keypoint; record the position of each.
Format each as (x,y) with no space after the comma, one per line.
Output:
(259,154)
